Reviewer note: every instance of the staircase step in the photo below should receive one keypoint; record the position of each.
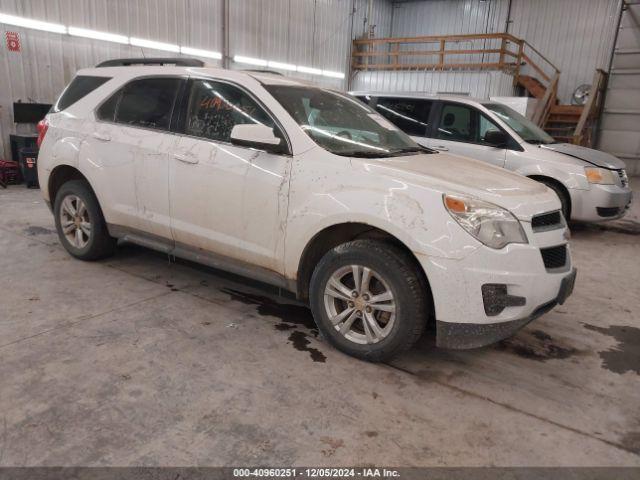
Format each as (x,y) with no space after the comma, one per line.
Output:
(559,129)
(532,85)
(568,121)
(567,109)
(563,138)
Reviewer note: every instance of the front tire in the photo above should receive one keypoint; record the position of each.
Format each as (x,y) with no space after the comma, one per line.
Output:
(80,223)
(565,201)
(369,300)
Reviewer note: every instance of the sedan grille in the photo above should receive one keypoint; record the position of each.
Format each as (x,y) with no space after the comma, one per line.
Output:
(554,257)
(624,179)
(547,221)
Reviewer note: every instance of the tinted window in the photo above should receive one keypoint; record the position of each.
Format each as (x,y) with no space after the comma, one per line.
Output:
(408,114)
(148,102)
(216,107)
(107,110)
(460,123)
(79,87)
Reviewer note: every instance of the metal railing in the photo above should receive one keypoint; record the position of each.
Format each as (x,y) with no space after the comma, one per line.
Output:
(482,51)
(583,134)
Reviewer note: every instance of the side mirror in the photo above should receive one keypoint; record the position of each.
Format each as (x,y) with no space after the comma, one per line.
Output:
(255,135)
(496,138)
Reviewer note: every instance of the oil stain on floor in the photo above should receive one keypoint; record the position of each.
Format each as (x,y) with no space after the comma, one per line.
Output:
(35,230)
(291,318)
(536,345)
(625,356)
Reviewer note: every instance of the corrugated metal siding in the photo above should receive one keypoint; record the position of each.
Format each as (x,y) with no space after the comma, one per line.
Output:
(448,17)
(305,32)
(576,35)
(475,84)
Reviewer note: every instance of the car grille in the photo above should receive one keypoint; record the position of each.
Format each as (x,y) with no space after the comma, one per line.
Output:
(624,179)
(547,221)
(554,257)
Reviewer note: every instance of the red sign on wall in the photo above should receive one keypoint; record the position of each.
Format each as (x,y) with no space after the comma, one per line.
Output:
(13,41)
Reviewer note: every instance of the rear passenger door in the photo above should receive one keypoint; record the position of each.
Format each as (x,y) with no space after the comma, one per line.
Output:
(461,128)
(411,115)
(135,139)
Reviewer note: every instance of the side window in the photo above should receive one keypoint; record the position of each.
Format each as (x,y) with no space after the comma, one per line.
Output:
(215,108)
(457,123)
(80,87)
(107,110)
(485,125)
(147,102)
(408,114)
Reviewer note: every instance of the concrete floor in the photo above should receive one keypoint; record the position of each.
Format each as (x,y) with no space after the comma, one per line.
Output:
(139,361)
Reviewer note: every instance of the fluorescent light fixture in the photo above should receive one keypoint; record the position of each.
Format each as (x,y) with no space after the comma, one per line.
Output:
(30,23)
(201,53)
(107,37)
(309,70)
(329,73)
(281,66)
(140,42)
(250,61)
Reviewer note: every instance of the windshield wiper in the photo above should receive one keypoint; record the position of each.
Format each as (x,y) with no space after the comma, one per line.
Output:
(365,154)
(418,148)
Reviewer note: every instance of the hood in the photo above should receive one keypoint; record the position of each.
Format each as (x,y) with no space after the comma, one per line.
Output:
(455,174)
(589,155)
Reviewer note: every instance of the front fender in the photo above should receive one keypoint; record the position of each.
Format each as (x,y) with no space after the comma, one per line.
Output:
(414,215)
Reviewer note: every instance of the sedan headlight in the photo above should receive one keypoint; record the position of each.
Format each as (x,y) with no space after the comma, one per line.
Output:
(601,176)
(490,224)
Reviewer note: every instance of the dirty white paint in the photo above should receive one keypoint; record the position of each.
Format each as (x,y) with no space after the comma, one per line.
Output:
(261,209)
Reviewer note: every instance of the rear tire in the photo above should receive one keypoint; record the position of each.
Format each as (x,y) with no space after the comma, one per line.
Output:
(80,223)
(565,201)
(369,300)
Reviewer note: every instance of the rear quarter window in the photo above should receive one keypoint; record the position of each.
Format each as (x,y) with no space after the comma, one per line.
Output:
(79,88)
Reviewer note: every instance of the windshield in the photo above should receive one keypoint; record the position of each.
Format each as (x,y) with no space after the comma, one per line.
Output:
(524,127)
(342,124)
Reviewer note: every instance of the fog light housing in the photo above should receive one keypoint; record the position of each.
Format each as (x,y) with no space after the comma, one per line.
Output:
(496,299)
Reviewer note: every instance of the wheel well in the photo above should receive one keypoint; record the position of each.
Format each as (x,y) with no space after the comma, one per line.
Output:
(561,187)
(336,235)
(59,176)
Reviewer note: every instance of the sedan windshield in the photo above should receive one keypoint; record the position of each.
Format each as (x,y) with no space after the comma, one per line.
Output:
(524,127)
(341,124)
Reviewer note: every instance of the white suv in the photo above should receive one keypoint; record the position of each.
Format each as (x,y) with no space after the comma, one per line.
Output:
(307,189)
(591,185)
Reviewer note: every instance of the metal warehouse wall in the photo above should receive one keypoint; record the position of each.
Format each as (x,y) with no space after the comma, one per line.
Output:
(576,35)
(314,33)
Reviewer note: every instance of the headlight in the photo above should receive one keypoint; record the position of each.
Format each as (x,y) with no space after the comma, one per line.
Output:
(601,176)
(492,225)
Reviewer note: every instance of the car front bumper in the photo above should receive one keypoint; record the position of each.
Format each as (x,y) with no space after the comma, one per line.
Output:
(461,336)
(600,203)
(461,306)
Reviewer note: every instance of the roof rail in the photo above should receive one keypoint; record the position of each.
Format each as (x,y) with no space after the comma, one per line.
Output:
(126,62)
(258,70)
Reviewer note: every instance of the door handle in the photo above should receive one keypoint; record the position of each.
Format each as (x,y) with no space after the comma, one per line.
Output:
(441,148)
(103,137)
(186,158)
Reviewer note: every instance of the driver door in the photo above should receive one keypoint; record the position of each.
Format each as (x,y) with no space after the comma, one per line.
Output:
(460,129)
(226,199)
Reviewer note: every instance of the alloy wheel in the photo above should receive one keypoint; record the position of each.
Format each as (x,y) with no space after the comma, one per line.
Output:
(360,304)
(75,221)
